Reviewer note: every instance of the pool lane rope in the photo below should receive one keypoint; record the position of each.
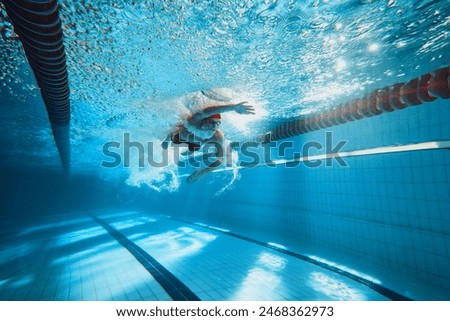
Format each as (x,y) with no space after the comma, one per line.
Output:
(423,89)
(38,25)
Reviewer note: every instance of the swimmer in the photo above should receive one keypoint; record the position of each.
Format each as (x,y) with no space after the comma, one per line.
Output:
(202,128)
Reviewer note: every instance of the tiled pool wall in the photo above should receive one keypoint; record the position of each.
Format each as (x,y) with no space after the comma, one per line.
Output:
(387,212)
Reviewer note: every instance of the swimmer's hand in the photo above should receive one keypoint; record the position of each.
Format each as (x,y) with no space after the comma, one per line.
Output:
(165,144)
(244,109)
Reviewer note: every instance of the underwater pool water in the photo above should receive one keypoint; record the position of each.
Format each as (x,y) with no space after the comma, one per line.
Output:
(372,223)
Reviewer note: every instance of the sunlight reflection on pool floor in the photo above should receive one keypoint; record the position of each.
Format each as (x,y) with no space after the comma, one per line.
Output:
(81,261)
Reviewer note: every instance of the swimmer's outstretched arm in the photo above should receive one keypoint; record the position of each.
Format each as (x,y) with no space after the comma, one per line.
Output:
(240,108)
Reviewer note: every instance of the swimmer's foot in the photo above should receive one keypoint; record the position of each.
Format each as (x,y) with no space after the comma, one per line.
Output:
(195,176)
(199,173)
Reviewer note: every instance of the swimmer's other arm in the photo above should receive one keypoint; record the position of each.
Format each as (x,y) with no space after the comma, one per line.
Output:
(165,143)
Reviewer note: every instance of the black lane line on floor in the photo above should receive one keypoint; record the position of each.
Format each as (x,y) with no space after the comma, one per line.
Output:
(176,289)
(394,296)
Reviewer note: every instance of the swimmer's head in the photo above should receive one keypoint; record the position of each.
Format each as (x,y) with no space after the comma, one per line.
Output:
(212,122)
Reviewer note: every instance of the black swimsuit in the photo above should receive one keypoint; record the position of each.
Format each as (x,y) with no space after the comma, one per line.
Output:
(176,139)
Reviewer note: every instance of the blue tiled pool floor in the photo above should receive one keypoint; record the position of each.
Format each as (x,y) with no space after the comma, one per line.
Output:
(73,257)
